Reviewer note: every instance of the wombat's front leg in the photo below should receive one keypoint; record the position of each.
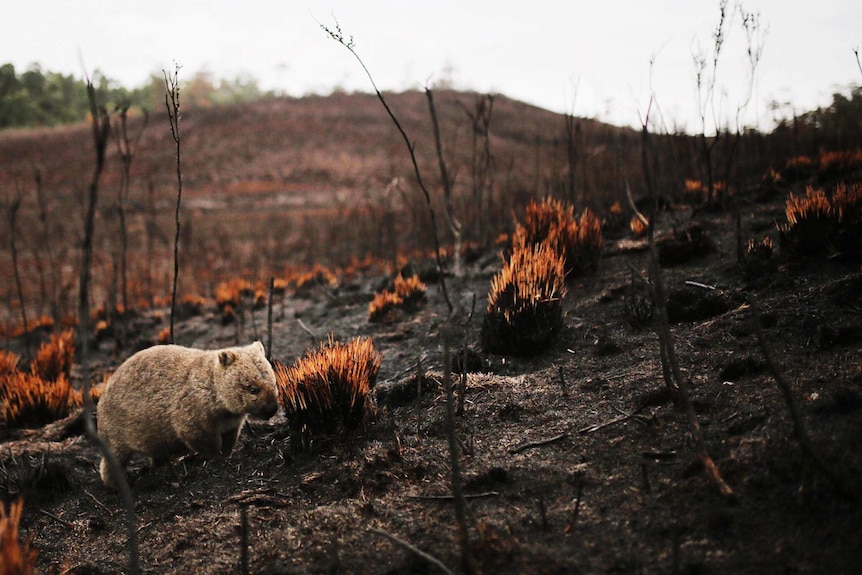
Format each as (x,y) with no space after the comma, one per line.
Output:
(206,443)
(228,440)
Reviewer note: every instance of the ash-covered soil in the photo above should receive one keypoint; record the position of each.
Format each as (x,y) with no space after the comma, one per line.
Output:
(574,461)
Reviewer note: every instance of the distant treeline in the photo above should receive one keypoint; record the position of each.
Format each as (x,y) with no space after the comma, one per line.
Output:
(834,127)
(38,97)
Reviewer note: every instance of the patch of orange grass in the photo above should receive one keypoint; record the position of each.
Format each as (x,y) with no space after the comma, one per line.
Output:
(524,310)
(813,205)
(407,294)
(818,223)
(54,358)
(383,306)
(228,293)
(8,362)
(836,163)
(846,204)
(44,323)
(638,228)
(319,275)
(15,558)
(30,401)
(329,388)
(164,336)
(578,240)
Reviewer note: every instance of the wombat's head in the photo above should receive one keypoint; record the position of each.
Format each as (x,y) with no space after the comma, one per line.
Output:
(246,381)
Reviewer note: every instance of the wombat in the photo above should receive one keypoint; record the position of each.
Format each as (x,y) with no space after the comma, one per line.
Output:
(168,399)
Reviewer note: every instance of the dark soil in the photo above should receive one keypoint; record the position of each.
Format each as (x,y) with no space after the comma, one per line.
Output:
(575,460)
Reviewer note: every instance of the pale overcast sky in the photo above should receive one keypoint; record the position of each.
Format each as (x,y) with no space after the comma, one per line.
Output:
(592,57)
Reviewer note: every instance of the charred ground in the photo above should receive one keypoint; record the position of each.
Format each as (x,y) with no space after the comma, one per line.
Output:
(618,489)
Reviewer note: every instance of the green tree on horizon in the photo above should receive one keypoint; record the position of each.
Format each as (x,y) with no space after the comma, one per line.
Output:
(40,98)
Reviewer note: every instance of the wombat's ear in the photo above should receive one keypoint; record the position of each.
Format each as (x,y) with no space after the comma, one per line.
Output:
(226,357)
(259,345)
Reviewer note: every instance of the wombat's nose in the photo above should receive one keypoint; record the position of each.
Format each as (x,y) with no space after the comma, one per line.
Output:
(268,410)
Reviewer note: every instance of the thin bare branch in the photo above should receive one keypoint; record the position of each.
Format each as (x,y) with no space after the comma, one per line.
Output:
(429,558)
(172,103)
(338,36)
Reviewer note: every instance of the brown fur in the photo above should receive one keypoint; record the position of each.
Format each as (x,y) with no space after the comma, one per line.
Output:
(168,399)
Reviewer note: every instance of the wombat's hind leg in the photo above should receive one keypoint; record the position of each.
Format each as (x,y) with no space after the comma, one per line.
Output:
(105,470)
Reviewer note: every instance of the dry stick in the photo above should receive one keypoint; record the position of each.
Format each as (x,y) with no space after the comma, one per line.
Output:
(14,205)
(462,385)
(858,63)
(101,129)
(540,443)
(172,103)
(307,330)
(682,396)
(243,537)
(99,503)
(48,241)
(800,429)
(430,559)
(449,212)
(481,174)
(482,495)
(338,36)
(599,426)
(63,522)
(125,150)
(454,461)
(577,510)
(269,320)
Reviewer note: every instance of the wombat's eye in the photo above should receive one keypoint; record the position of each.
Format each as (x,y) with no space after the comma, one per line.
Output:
(253,389)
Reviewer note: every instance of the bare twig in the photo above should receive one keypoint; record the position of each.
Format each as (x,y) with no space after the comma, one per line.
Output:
(599,426)
(430,559)
(452,497)
(243,539)
(338,36)
(13,207)
(858,63)
(172,103)
(462,385)
(126,152)
(269,319)
(677,385)
(101,129)
(540,443)
(99,503)
(800,429)
(306,329)
(446,180)
(63,522)
(579,495)
(454,459)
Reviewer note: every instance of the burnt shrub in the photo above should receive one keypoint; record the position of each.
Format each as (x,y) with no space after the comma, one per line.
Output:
(328,390)
(525,302)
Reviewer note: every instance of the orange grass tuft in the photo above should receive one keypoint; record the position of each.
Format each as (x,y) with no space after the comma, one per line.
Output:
(29,401)
(525,302)
(408,294)
(578,240)
(8,362)
(55,357)
(164,336)
(638,228)
(15,558)
(328,390)
(819,224)
(383,307)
